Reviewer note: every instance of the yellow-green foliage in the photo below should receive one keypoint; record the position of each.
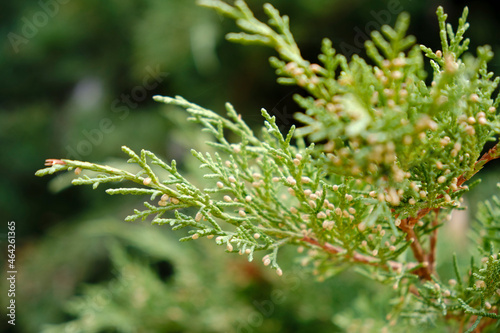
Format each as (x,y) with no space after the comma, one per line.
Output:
(379,162)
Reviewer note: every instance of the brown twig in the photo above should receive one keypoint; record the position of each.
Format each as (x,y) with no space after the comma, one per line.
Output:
(492,154)
(408,224)
(433,241)
(356,257)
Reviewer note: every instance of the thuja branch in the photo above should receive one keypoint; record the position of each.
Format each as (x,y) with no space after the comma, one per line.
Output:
(378,151)
(379,147)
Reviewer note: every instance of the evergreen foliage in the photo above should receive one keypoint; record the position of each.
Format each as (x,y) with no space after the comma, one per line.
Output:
(378,166)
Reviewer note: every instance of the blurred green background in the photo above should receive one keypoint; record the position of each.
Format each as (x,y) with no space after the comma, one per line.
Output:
(77,79)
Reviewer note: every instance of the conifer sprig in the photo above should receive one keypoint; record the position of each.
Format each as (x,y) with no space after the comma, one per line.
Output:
(376,168)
